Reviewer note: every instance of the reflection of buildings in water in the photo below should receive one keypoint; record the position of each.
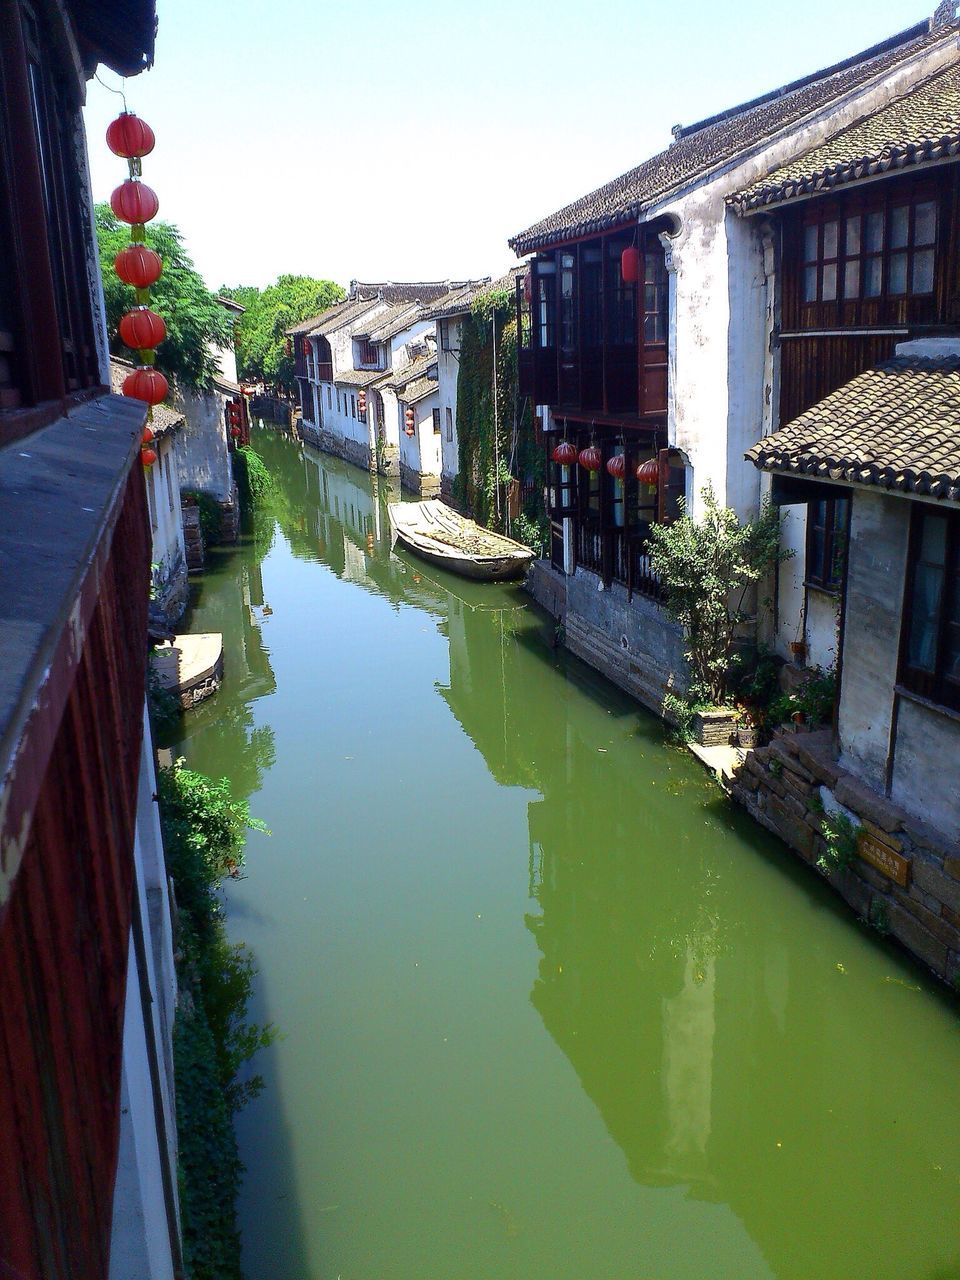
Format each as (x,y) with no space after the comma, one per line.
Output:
(670,984)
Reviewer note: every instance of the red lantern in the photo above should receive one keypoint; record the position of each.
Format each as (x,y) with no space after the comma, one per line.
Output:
(648,472)
(616,466)
(288,348)
(130,137)
(236,432)
(147,457)
(591,459)
(630,264)
(146,384)
(565,453)
(134,202)
(147,435)
(362,403)
(233,413)
(410,419)
(139,266)
(142,329)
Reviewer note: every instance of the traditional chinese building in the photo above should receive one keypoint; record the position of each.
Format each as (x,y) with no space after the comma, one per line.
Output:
(646,322)
(865,463)
(88,1155)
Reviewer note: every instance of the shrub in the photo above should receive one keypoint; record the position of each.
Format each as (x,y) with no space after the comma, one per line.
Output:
(707,568)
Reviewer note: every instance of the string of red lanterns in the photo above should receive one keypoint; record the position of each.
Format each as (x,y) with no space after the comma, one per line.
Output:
(566,454)
(410,423)
(141,329)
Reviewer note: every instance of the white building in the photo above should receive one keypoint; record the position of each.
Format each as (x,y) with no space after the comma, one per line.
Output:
(685,366)
(354,362)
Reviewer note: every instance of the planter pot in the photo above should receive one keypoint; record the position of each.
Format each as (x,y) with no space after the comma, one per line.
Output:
(798,651)
(715,726)
(748,735)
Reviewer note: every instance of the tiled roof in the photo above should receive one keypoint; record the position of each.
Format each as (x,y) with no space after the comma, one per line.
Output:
(165,419)
(459,301)
(344,313)
(358,377)
(415,369)
(702,147)
(920,127)
(399,291)
(418,390)
(896,426)
(304,326)
(389,323)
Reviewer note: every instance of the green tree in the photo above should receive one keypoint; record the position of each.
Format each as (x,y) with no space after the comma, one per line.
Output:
(261,341)
(708,568)
(193,316)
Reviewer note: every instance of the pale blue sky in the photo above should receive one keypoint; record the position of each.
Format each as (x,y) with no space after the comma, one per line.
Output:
(407,141)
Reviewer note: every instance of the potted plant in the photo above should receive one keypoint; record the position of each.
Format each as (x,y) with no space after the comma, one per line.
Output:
(748,727)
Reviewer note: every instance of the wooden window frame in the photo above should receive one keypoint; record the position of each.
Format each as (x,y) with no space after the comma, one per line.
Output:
(834,544)
(935,685)
(881,200)
(49,357)
(437,423)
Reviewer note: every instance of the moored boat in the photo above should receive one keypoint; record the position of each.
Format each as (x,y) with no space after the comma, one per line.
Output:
(435,532)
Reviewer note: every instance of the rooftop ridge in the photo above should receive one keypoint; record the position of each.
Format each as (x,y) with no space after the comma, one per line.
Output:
(874,50)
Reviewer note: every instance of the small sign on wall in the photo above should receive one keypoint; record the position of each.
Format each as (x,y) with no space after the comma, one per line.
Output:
(886,860)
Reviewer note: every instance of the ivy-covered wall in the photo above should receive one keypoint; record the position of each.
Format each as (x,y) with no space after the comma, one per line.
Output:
(497,450)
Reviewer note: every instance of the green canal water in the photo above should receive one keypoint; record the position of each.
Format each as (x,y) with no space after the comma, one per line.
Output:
(551,1009)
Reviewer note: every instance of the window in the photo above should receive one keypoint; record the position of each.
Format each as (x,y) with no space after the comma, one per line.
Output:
(367,355)
(654,298)
(449,425)
(353,406)
(339,410)
(330,398)
(436,422)
(546,303)
(930,657)
(887,250)
(621,300)
(170,498)
(826,542)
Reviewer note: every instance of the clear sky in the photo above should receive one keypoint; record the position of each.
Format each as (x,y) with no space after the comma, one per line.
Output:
(407,141)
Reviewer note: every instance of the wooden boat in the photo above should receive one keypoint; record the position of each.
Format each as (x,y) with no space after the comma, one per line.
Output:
(435,532)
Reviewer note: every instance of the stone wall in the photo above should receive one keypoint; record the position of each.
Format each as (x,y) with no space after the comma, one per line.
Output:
(905,877)
(631,641)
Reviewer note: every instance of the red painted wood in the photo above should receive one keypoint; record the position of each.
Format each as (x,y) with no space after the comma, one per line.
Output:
(64,934)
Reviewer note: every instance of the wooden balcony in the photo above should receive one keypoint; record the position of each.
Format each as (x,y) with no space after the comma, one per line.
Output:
(74,570)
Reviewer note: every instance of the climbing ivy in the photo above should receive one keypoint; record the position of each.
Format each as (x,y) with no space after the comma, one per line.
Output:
(496,448)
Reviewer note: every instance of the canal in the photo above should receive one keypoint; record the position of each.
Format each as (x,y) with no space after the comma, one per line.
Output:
(550,1008)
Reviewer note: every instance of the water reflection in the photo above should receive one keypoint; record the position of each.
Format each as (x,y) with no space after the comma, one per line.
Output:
(552,972)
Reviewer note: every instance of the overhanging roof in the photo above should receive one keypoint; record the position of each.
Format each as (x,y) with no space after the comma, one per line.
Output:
(705,146)
(897,426)
(916,129)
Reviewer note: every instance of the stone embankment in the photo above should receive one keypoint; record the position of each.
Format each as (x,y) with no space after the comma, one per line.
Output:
(904,878)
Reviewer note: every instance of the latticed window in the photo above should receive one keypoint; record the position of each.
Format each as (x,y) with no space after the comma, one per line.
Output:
(885,251)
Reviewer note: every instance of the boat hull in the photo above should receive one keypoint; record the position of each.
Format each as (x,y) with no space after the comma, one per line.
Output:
(412,525)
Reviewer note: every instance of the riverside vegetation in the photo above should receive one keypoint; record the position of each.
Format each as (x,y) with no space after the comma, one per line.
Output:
(204,830)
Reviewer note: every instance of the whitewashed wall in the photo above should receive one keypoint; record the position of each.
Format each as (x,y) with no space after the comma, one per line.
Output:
(448,371)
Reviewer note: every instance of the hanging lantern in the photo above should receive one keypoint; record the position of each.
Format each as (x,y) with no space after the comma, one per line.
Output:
(146,384)
(565,453)
(630,264)
(138,266)
(130,137)
(236,432)
(233,413)
(362,404)
(147,457)
(142,329)
(410,421)
(616,466)
(648,472)
(591,459)
(288,348)
(147,435)
(134,202)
